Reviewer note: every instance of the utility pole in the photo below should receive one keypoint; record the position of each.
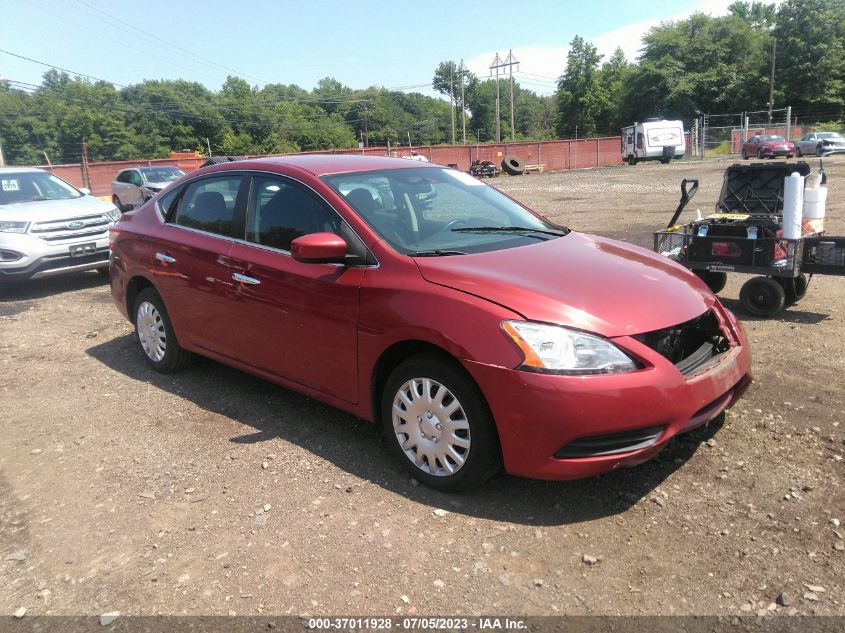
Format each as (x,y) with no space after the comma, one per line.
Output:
(511,61)
(508,63)
(452,98)
(497,63)
(462,71)
(86,179)
(772,81)
(366,138)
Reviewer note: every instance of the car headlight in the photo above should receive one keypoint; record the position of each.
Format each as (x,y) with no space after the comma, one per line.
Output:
(114,214)
(13,227)
(558,350)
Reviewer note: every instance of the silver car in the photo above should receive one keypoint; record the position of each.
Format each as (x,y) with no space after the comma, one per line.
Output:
(820,144)
(49,227)
(133,187)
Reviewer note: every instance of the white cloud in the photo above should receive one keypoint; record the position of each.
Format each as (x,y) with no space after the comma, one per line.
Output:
(540,66)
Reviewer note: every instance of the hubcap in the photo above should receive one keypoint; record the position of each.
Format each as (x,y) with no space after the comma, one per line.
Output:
(150,328)
(431,426)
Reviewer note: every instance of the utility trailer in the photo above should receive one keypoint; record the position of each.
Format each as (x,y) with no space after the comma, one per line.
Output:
(745,235)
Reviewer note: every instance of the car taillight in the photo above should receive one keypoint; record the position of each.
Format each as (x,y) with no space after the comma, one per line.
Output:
(113,231)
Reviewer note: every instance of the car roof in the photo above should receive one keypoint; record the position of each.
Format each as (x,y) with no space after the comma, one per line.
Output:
(323,164)
(21,170)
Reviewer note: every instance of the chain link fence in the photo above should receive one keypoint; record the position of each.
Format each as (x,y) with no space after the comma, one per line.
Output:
(715,135)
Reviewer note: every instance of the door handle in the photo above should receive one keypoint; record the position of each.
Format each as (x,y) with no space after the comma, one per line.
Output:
(167,259)
(252,281)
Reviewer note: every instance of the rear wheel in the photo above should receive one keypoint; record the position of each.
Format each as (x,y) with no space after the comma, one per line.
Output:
(155,334)
(762,297)
(632,160)
(715,280)
(439,425)
(760,154)
(794,288)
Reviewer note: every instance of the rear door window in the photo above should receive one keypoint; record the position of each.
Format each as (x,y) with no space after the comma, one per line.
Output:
(280,211)
(209,205)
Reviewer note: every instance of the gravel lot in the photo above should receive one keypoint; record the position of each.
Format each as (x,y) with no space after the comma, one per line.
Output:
(213,492)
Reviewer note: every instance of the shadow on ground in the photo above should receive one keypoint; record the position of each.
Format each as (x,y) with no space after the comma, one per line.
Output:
(10,293)
(269,412)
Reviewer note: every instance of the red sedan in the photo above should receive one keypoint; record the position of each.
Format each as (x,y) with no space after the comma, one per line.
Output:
(767,146)
(478,333)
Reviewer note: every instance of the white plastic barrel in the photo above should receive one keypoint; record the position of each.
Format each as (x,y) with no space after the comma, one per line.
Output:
(814,203)
(793,205)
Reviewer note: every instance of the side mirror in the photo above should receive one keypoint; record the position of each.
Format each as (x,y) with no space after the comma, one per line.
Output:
(85,191)
(318,248)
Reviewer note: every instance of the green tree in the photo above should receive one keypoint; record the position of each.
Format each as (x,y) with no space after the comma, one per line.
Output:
(581,98)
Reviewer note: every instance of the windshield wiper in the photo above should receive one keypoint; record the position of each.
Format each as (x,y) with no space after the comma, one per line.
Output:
(509,229)
(436,253)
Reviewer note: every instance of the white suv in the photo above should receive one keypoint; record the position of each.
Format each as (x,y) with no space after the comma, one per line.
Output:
(49,227)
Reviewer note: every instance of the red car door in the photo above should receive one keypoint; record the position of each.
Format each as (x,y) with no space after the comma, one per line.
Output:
(190,262)
(295,320)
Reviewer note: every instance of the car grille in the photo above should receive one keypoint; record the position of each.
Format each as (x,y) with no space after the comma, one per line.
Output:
(92,226)
(688,345)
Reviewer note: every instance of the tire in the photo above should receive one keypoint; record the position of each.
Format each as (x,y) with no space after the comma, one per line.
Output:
(819,149)
(410,399)
(760,154)
(155,334)
(632,160)
(762,297)
(744,155)
(104,272)
(794,288)
(116,202)
(798,153)
(513,166)
(715,280)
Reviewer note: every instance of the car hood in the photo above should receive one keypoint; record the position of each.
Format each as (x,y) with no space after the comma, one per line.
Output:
(48,210)
(581,281)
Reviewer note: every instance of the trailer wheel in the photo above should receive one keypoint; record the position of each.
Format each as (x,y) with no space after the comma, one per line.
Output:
(762,297)
(632,160)
(512,165)
(715,280)
(794,288)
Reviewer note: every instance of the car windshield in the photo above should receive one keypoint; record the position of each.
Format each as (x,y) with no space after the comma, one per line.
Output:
(34,186)
(162,174)
(771,138)
(437,211)
(830,135)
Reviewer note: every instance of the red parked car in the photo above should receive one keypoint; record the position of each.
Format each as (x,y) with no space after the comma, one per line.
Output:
(767,146)
(478,333)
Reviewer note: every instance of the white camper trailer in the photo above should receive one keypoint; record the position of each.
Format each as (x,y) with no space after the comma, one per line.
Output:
(655,139)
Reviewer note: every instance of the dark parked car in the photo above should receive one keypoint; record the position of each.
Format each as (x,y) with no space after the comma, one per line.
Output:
(767,146)
(476,332)
(133,187)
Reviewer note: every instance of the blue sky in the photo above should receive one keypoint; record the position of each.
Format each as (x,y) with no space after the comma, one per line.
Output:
(361,43)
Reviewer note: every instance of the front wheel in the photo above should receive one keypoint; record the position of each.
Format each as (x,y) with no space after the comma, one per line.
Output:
(438,424)
(715,280)
(744,155)
(798,153)
(632,160)
(762,297)
(116,202)
(155,334)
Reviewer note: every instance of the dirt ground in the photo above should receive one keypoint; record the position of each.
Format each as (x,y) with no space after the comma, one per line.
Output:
(213,492)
